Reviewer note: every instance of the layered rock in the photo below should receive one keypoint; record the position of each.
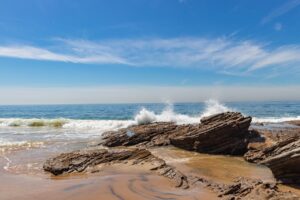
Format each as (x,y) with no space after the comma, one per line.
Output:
(280,151)
(284,160)
(155,134)
(224,133)
(90,159)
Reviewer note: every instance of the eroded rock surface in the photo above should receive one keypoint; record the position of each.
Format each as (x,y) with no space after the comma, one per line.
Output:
(79,161)
(252,189)
(224,133)
(280,151)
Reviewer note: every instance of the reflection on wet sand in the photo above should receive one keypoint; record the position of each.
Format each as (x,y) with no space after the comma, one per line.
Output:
(108,184)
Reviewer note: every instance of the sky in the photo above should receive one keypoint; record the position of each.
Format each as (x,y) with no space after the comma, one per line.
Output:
(113,51)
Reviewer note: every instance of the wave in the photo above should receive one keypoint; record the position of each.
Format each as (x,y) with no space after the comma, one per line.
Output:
(274,119)
(16,122)
(6,145)
(144,116)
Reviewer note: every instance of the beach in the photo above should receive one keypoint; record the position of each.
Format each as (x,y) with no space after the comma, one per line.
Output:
(36,140)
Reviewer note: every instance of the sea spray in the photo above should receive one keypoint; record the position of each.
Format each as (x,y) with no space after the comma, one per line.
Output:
(213,107)
(167,115)
(145,117)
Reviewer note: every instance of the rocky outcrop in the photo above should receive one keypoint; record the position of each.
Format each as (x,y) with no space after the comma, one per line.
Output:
(90,159)
(284,161)
(280,151)
(155,134)
(224,133)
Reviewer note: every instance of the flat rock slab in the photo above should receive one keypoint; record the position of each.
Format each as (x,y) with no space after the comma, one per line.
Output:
(79,161)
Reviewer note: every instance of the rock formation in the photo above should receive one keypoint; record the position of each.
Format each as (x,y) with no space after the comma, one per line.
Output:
(224,133)
(90,159)
(283,158)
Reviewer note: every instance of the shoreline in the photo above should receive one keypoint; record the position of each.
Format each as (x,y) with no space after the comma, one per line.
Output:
(91,185)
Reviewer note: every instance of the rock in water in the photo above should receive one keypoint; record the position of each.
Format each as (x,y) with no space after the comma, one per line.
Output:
(224,133)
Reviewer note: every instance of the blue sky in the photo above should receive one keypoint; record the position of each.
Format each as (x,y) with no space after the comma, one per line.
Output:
(152,43)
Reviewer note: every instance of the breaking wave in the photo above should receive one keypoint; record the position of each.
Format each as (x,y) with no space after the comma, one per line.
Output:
(144,116)
(6,145)
(274,119)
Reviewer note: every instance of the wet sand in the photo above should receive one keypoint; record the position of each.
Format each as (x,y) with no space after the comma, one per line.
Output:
(23,181)
(110,183)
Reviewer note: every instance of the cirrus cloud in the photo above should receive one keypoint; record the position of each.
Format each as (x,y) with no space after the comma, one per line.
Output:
(221,54)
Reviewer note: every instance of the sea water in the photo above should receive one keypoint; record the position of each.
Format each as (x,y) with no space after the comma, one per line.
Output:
(26,127)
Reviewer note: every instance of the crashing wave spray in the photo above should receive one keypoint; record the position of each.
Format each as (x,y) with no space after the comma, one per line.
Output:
(213,107)
(167,115)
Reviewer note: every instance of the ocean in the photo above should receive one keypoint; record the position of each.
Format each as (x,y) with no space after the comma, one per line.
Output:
(35,124)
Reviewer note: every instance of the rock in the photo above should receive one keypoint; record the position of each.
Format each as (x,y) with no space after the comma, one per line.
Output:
(155,134)
(280,151)
(284,160)
(245,188)
(224,133)
(294,122)
(79,161)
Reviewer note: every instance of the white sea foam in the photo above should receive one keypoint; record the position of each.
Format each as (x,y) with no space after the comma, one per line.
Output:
(11,145)
(274,119)
(25,144)
(8,162)
(167,115)
(145,117)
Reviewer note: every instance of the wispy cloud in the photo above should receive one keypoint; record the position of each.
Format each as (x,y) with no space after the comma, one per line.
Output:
(222,54)
(288,6)
(36,53)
